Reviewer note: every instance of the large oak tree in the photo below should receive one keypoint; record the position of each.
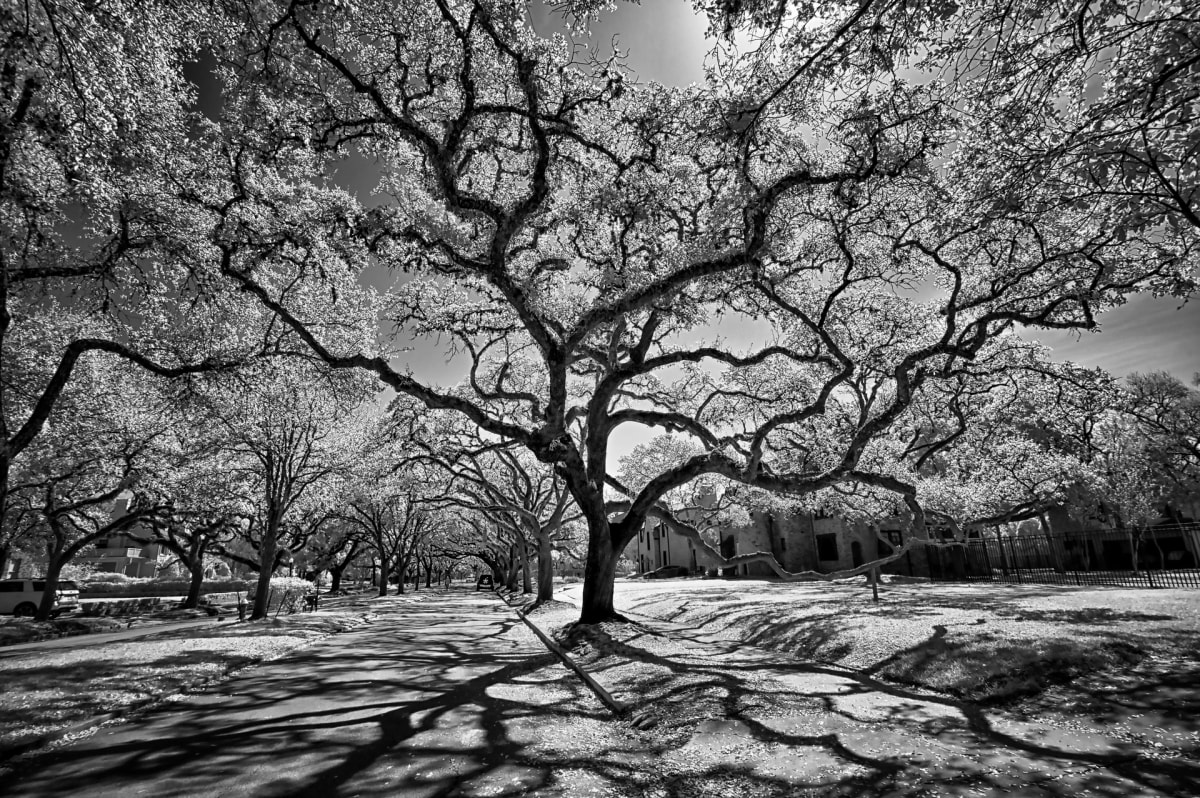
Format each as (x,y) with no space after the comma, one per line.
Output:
(577,240)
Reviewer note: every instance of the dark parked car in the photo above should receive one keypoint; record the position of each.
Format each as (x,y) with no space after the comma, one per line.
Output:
(667,571)
(485,580)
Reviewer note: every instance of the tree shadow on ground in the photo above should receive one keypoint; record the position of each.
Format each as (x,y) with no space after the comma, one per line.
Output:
(447,699)
(998,649)
(425,702)
(886,734)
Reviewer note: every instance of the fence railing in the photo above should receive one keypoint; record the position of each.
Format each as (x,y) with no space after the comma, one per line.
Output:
(1160,556)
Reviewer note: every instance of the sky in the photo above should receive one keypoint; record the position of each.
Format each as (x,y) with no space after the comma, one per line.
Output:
(664,38)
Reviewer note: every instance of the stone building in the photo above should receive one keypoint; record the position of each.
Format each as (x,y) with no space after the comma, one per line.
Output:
(798,541)
(805,542)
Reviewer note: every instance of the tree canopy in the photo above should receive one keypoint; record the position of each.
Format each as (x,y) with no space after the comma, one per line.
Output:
(886,193)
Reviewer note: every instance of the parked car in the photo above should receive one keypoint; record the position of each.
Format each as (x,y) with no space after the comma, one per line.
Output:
(667,571)
(21,597)
(485,580)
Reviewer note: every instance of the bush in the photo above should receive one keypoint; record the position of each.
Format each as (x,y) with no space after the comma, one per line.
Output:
(292,584)
(141,588)
(104,577)
(286,592)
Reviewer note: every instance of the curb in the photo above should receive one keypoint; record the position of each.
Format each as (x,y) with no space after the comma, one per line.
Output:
(616,707)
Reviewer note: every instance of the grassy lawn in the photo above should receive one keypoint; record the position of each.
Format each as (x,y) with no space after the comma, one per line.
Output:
(986,643)
(21,630)
(44,691)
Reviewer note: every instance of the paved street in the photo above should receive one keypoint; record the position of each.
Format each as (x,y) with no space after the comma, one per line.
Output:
(431,697)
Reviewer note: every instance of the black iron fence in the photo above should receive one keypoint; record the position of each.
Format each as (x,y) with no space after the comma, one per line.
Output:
(1166,555)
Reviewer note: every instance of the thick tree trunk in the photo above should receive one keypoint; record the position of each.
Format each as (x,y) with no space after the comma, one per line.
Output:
(598,575)
(510,580)
(545,566)
(266,568)
(53,569)
(6,551)
(384,573)
(526,576)
(335,579)
(196,567)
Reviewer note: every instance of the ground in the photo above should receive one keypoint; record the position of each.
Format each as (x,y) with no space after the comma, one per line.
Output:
(1103,680)
(57,685)
(991,643)
(449,694)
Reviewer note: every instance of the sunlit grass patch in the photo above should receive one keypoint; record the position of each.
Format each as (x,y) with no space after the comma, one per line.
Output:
(21,630)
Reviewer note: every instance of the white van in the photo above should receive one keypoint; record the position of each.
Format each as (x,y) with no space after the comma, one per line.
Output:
(22,597)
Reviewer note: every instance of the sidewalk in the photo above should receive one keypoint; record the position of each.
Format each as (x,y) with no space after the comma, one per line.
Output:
(829,731)
(446,692)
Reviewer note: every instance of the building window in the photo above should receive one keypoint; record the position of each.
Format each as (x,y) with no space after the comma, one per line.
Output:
(827,547)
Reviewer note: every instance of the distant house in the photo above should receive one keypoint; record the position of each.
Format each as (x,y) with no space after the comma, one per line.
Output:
(657,545)
(123,554)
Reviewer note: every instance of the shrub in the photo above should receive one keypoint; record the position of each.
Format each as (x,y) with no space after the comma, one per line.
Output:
(292,584)
(146,588)
(286,590)
(105,577)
